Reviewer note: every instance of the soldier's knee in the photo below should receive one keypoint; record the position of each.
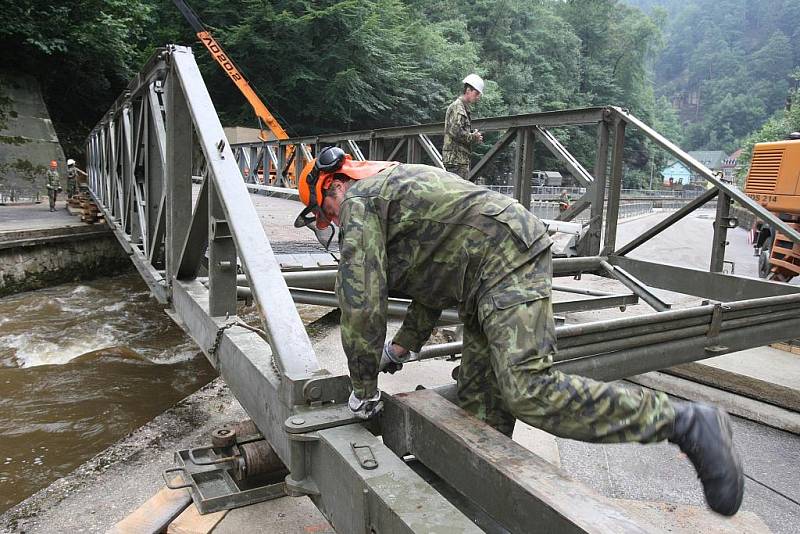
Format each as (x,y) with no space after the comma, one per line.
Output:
(530,393)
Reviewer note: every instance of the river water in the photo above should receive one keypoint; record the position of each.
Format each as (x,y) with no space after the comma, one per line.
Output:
(81,366)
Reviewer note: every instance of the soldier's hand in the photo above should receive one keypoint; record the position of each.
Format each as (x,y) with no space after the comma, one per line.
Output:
(478,136)
(392,359)
(365,408)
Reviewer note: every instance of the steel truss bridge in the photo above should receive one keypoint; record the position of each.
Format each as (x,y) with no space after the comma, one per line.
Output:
(200,258)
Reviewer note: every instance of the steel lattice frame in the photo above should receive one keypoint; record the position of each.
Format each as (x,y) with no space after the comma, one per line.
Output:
(163,131)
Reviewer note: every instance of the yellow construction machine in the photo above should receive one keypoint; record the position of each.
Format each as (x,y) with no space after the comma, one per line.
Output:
(774,182)
(236,75)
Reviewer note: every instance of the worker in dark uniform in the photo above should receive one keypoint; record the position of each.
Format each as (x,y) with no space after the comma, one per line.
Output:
(445,243)
(459,137)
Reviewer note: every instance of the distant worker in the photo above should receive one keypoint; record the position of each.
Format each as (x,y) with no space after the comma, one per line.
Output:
(459,137)
(444,242)
(72,179)
(53,184)
(563,201)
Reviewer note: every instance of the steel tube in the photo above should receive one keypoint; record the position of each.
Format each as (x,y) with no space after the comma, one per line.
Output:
(565,342)
(581,344)
(617,365)
(582,291)
(634,285)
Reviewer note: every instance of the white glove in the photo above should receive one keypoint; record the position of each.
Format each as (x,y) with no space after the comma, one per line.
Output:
(364,409)
(391,362)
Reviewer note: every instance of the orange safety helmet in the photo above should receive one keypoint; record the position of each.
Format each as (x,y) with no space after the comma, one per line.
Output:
(318,174)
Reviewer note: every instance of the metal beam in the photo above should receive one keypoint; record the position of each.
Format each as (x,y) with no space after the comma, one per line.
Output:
(562,154)
(293,352)
(501,143)
(635,285)
(722,222)
(593,239)
(577,207)
(430,149)
(754,207)
(178,174)
(669,221)
(513,485)
(714,286)
(614,187)
(194,247)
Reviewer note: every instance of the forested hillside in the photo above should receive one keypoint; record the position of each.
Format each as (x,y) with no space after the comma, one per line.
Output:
(335,65)
(728,65)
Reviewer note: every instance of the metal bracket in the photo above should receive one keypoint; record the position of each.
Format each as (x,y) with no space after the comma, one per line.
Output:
(308,420)
(220,229)
(211,484)
(729,222)
(364,455)
(716,321)
(318,391)
(714,329)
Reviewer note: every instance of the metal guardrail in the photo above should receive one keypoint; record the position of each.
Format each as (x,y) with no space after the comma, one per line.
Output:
(21,194)
(164,129)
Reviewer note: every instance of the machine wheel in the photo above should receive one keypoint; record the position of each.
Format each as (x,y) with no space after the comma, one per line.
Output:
(763,258)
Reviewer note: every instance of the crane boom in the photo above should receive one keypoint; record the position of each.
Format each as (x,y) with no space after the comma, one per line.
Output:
(227,64)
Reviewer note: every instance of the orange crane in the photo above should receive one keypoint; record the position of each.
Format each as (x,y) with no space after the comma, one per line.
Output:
(227,64)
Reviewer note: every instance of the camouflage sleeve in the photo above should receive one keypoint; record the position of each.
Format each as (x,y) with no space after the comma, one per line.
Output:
(361,288)
(417,326)
(458,127)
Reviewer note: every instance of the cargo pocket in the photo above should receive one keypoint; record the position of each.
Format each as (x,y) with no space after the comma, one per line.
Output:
(519,328)
(510,297)
(512,215)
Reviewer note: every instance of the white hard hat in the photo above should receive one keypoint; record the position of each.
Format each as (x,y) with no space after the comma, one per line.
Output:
(70,162)
(475,81)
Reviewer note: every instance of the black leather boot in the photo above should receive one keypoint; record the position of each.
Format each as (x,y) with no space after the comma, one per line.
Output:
(704,434)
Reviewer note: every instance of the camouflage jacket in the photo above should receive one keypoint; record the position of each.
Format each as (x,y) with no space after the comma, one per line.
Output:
(53,179)
(72,174)
(422,233)
(458,136)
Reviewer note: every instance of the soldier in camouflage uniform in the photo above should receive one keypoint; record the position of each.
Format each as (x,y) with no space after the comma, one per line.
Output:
(72,179)
(53,184)
(446,243)
(459,137)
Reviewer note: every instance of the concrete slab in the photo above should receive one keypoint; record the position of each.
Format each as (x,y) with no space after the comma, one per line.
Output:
(288,515)
(660,472)
(27,217)
(682,519)
(764,363)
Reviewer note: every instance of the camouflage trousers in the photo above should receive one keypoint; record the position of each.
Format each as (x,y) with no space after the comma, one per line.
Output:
(506,374)
(459,170)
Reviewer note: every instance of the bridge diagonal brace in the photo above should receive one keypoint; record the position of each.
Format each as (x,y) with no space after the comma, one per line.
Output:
(636,286)
(565,156)
(669,221)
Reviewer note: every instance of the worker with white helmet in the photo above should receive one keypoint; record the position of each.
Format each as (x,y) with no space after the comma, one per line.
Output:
(73,179)
(459,137)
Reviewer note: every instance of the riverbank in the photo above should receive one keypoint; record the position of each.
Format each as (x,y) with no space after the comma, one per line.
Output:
(40,248)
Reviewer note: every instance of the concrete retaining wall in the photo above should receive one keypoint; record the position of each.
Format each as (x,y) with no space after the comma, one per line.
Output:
(40,258)
(28,140)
